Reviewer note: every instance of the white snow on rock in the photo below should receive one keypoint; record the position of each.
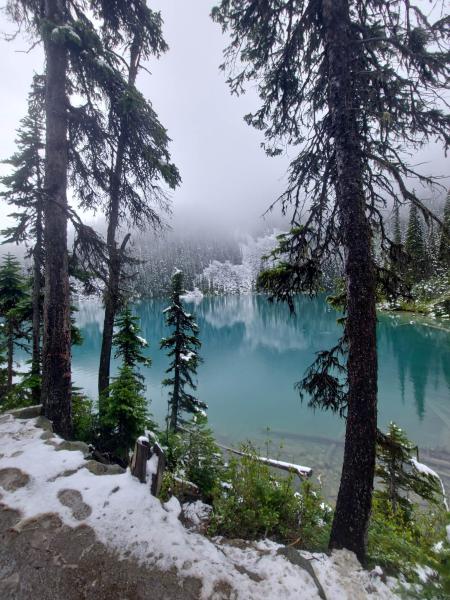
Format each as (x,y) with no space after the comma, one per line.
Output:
(128,519)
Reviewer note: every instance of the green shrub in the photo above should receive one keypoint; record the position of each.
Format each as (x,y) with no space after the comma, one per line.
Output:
(83,418)
(193,455)
(255,504)
(401,541)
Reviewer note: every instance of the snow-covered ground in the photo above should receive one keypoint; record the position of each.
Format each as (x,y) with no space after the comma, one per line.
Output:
(128,519)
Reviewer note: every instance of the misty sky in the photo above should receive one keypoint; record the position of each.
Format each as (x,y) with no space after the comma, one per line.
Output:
(227,178)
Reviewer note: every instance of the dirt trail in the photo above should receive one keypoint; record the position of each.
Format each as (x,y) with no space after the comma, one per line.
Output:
(44,559)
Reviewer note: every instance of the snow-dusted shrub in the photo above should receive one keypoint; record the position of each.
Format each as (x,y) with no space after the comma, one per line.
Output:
(255,504)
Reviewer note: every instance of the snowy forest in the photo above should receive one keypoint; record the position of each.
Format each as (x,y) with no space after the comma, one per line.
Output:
(225,300)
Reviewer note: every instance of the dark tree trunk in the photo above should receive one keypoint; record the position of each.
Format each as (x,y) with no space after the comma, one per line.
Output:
(176,386)
(112,291)
(56,355)
(354,500)
(37,304)
(10,353)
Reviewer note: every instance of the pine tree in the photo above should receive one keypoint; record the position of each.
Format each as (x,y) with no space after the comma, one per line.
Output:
(397,231)
(183,345)
(444,244)
(81,61)
(139,158)
(328,77)
(25,191)
(12,297)
(128,342)
(400,473)
(415,247)
(125,416)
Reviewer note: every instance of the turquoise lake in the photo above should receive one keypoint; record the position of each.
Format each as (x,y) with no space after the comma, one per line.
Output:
(255,351)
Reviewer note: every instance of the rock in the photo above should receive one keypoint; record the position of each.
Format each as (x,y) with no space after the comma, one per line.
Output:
(44,423)
(74,500)
(11,479)
(293,556)
(73,446)
(101,469)
(28,412)
(46,435)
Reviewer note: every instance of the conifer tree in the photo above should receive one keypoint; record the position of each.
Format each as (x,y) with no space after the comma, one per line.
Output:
(330,76)
(415,247)
(25,191)
(139,159)
(183,345)
(12,295)
(444,244)
(397,232)
(81,61)
(400,474)
(125,416)
(127,341)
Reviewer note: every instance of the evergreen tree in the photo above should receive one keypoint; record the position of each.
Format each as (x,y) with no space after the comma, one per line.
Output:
(139,158)
(25,191)
(128,342)
(12,297)
(124,415)
(330,76)
(183,345)
(444,245)
(81,61)
(415,247)
(400,473)
(397,231)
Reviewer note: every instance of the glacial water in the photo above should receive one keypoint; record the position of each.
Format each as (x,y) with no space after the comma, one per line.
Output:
(255,351)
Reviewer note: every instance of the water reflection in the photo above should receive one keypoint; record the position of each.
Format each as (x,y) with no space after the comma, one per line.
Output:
(254,352)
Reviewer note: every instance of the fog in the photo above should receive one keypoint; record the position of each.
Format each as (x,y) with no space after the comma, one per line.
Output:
(227,180)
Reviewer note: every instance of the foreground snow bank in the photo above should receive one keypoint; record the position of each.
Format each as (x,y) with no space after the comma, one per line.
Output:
(37,478)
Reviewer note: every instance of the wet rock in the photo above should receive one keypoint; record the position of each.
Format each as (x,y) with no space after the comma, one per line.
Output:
(80,446)
(44,423)
(74,500)
(293,556)
(101,469)
(28,412)
(11,479)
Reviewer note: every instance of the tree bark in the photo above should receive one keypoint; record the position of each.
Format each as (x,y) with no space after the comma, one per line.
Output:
(174,413)
(10,353)
(354,500)
(112,291)
(56,355)
(37,303)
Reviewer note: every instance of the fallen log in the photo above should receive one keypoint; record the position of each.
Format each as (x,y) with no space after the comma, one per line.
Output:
(301,471)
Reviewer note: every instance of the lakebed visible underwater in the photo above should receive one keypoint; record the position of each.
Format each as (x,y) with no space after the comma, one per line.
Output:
(255,351)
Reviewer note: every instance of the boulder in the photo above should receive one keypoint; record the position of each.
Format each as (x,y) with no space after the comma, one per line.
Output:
(101,469)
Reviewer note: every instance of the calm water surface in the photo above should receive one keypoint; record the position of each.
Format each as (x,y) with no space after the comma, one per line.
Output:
(253,354)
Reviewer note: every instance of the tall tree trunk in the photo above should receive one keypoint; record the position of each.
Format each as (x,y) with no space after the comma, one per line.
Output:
(174,413)
(56,356)
(37,304)
(112,291)
(354,500)
(10,353)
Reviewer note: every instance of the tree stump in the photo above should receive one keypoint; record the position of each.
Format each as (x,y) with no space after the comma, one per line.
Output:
(140,457)
(158,476)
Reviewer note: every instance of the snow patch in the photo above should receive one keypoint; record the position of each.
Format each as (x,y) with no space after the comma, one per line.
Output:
(128,519)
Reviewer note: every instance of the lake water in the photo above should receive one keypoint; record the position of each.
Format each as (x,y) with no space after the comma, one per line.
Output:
(255,351)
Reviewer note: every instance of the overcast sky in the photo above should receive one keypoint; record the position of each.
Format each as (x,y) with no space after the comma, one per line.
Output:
(226,176)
